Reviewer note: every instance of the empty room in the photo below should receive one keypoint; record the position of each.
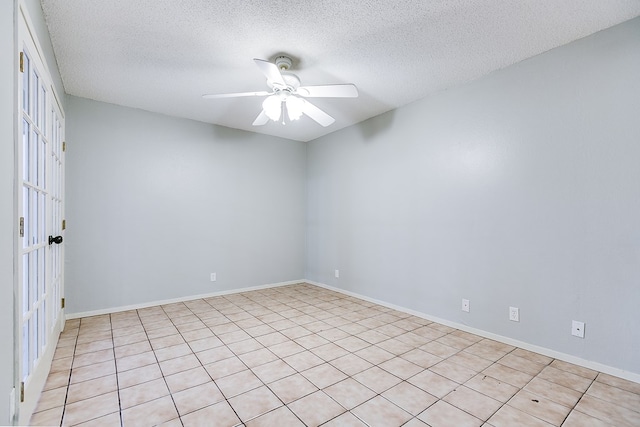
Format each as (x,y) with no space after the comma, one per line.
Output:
(402,213)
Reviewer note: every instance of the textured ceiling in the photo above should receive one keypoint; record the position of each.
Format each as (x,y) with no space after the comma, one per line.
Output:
(162,55)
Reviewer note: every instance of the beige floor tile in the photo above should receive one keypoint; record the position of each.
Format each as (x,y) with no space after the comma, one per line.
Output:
(105,421)
(374,354)
(349,393)
(379,412)
(166,341)
(136,361)
(539,407)
(258,357)
(303,360)
(273,371)
(521,364)
(453,371)
(90,409)
(508,375)
(139,375)
(245,346)
(442,414)
(473,402)
(311,341)
(90,372)
(285,349)
(401,368)
(238,383)
(57,379)
(536,357)
(564,378)
(508,416)
(91,388)
(351,364)
(316,408)
(131,349)
(272,339)
(578,419)
(330,351)
(492,387)
(383,363)
(615,395)
(50,417)
(439,349)
(280,417)
(204,344)
(574,369)
(470,361)
(433,383)
(409,397)
(143,393)
(51,399)
(554,392)
(292,388)
(129,339)
(172,352)
(61,364)
(225,367)
(254,403)
(377,379)
(605,411)
(421,358)
(92,358)
(395,347)
(324,375)
(196,398)
(150,413)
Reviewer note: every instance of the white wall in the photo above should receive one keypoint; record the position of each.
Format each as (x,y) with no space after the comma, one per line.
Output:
(155,204)
(519,189)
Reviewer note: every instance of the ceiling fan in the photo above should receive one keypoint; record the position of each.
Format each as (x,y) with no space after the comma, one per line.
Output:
(286,94)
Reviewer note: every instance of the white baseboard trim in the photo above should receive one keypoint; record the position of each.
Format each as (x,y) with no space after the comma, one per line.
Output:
(620,373)
(180,299)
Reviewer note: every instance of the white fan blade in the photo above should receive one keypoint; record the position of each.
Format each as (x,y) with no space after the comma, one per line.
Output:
(329,91)
(317,114)
(262,119)
(271,72)
(235,95)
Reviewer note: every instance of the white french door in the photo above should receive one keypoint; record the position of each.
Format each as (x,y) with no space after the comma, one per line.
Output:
(40,180)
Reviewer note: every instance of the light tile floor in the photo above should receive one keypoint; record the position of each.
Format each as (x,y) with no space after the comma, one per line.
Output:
(302,355)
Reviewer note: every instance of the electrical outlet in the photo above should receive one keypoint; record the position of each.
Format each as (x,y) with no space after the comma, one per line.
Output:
(514,314)
(465,305)
(337,273)
(577,329)
(214,277)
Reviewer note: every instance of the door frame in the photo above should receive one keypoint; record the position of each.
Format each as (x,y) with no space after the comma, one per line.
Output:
(27,395)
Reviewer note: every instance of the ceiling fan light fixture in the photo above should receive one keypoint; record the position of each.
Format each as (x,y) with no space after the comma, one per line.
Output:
(295,106)
(272,107)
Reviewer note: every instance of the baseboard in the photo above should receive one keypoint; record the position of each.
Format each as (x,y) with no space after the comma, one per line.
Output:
(180,299)
(620,373)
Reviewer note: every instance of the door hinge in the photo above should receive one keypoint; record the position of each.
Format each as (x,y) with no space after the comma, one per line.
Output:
(64,224)
(22,391)
(62,303)
(64,145)
(22,62)
(21,226)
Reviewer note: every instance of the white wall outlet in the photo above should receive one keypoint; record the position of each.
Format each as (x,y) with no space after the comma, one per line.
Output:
(337,273)
(577,329)
(465,305)
(514,314)
(214,277)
